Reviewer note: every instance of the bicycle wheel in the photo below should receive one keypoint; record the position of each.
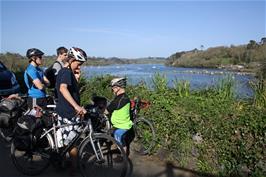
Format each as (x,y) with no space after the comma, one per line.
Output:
(111,161)
(35,161)
(144,136)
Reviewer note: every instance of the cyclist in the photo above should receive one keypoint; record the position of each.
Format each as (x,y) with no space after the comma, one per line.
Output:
(119,108)
(9,87)
(61,59)
(68,105)
(35,80)
(52,71)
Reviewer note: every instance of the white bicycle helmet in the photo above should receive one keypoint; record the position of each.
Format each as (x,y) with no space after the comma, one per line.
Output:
(78,54)
(120,82)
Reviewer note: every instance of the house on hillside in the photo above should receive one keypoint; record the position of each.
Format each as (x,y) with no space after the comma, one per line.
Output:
(263,41)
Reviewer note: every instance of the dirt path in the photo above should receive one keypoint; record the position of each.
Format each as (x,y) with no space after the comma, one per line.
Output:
(140,166)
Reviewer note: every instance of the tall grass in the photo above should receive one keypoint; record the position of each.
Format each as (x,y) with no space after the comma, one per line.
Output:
(259,88)
(225,87)
(207,130)
(182,88)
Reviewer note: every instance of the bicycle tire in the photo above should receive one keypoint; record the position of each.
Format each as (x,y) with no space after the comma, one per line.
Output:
(106,167)
(30,156)
(145,136)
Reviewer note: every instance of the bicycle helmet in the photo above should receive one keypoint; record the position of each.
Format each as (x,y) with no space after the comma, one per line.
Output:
(78,54)
(34,52)
(120,82)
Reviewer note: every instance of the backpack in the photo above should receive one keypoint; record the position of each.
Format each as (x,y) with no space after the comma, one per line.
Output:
(50,74)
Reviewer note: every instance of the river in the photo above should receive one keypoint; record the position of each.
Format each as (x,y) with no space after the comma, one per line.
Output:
(199,78)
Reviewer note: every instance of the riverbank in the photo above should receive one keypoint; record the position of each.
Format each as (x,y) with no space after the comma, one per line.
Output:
(243,58)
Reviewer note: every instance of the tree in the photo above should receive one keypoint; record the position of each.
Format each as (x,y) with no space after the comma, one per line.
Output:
(252,44)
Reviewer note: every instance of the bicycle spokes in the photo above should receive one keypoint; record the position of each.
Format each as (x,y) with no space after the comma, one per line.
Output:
(99,161)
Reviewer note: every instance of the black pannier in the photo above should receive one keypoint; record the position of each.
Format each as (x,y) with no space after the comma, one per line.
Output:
(5,119)
(95,112)
(27,132)
(94,115)
(9,109)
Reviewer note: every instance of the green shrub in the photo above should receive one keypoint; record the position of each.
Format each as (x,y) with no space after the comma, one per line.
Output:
(232,131)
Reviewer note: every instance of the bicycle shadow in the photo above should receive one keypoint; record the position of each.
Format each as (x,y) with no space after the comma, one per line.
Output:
(169,171)
(130,168)
(174,171)
(8,169)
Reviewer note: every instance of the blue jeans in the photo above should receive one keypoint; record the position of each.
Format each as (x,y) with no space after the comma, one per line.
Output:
(118,136)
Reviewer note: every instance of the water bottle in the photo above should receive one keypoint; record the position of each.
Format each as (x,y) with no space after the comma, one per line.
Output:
(70,137)
(59,138)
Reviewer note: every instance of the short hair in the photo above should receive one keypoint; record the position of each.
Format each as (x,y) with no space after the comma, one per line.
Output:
(61,50)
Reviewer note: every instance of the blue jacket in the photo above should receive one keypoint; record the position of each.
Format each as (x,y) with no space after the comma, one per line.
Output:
(30,74)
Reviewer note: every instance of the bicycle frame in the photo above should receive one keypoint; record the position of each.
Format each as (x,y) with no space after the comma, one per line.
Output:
(53,139)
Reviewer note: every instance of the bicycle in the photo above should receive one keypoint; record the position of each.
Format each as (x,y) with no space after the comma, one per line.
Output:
(96,151)
(145,134)
(144,130)
(7,133)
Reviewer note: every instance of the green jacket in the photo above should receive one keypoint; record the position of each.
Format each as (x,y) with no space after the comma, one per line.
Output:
(121,118)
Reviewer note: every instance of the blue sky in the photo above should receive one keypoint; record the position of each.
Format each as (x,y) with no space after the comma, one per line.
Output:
(129,29)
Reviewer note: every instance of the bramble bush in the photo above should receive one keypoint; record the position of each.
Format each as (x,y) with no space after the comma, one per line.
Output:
(208,130)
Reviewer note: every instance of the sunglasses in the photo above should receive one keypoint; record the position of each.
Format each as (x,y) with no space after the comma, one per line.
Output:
(39,57)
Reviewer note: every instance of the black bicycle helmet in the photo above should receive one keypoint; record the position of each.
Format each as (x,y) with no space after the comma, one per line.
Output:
(34,52)
(120,82)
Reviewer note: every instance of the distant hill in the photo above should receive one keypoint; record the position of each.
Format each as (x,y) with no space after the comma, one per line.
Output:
(16,61)
(249,57)
(116,60)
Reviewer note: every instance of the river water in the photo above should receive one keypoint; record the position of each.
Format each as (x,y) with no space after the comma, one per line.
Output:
(199,78)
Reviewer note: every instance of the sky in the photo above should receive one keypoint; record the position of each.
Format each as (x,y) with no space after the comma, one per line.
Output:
(129,29)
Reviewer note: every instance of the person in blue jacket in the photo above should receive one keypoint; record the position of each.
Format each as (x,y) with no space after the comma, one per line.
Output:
(9,84)
(35,80)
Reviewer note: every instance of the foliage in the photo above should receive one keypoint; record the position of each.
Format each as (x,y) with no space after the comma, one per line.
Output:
(259,88)
(182,88)
(207,130)
(95,86)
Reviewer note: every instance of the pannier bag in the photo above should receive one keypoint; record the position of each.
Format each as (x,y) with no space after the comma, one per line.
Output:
(4,119)
(9,104)
(27,132)
(93,113)
(8,110)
